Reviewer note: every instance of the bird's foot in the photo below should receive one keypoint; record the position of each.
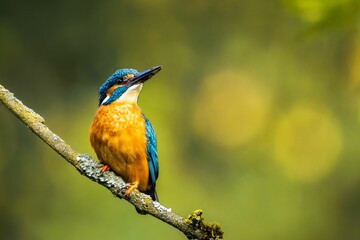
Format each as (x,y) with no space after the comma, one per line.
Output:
(104,168)
(131,188)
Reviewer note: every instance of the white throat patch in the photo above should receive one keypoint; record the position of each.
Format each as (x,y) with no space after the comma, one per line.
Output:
(132,94)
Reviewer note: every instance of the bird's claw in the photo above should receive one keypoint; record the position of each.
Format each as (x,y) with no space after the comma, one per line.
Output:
(104,168)
(131,187)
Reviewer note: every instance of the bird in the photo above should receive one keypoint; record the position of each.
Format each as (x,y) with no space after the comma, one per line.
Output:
(122,137)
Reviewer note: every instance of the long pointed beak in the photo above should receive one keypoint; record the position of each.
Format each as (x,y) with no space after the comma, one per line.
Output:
(144,75)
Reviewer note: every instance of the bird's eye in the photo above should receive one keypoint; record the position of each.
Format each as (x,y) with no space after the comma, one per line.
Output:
(127,77)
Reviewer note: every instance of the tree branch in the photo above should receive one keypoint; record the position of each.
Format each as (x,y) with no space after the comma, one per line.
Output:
(193,226)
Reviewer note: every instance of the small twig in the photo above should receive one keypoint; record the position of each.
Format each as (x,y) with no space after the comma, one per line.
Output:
(194,227)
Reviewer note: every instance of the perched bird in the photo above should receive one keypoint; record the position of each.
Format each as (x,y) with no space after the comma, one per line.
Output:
(122,137)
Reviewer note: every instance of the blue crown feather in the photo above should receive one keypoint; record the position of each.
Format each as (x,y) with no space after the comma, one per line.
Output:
(115,78)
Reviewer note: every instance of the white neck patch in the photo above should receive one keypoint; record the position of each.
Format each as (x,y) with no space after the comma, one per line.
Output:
(105,99)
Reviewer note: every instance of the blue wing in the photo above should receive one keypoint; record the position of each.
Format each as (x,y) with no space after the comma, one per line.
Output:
(152,156)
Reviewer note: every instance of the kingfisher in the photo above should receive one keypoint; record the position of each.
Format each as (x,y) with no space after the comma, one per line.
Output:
(122,137)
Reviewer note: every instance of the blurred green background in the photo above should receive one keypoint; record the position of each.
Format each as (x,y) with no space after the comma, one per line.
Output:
(256,110)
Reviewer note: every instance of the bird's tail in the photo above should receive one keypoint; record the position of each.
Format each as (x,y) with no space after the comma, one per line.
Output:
(153,195)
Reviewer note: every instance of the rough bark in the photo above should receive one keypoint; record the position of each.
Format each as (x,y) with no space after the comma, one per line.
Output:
(193,226)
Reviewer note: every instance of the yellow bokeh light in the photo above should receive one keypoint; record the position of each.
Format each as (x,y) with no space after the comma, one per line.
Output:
(354,63)
(307,142)
(230,109)
(354,72)
(315,10)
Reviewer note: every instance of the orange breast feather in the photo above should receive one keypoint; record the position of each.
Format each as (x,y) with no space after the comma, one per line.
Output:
(118,137)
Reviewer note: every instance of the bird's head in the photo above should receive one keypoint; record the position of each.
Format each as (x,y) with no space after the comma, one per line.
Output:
(124,84)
